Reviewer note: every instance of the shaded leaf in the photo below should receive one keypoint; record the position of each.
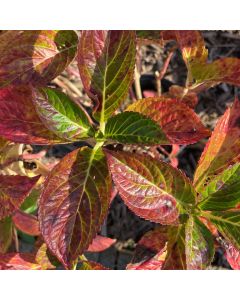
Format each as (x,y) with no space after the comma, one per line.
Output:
(152,189)
(228,224)
(150,251)
(223,192)
(134,128)
(61,115)
(199,245)
(74,203)
(5,234)
(13,191)
(100,243)
(106,61)
(176,257)
(222,149)
(35,56)
(184,95)
(18,261)
(19,121)
(26,223)
(91,265)
(179,122)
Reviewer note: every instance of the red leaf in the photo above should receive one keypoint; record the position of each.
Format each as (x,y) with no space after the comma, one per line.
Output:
(18,261)
(233,257)
(13,191)
(222,149)
(100,243)
(35,56)
(179,122)
(183,95)
(19,121)
(26,223)
(74,203)
(150,252)
(150,188)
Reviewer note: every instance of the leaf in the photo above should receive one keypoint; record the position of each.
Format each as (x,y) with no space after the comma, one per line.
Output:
(74,203)
(18,261)
(150,252)
(106,61)
(221,70)
(134,128)
(233,257)
(179,122)
(100,243)
(61,115)
(19,121)
(176,257)
(222,149)
(199,245)
(183,95)
(43,257)
(195,56)
(13,191)
(91,265)
(228,224)
(35,56)
(29,205)
(223,192)
(5,234)
(152,189)
(26,223)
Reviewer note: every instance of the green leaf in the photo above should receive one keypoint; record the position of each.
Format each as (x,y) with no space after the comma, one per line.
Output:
(61,115)
(5,234)
(134,128)
(228,224)
(222,149)
(223,192)
(35,56)
(152,189)
(199,245)
(74,203)
(106,61)
(179,122)
(176,257)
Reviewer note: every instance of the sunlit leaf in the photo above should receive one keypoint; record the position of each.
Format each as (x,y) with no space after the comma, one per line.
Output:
(19,121)
(18,261)
(222,149)
(13,191)
(134,128)
(100,243)
(5,234)
(43,257)
(74,203)
(199,245)
(106,60)
(35,56)
(179,122)
(61,115)
(152,189)
(223,192)
(26,223)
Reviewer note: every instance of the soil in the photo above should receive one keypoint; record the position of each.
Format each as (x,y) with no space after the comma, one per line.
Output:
(121,223)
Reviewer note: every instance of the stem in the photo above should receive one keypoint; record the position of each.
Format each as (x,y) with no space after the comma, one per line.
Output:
(15,237)
(137,84)
(159,75)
